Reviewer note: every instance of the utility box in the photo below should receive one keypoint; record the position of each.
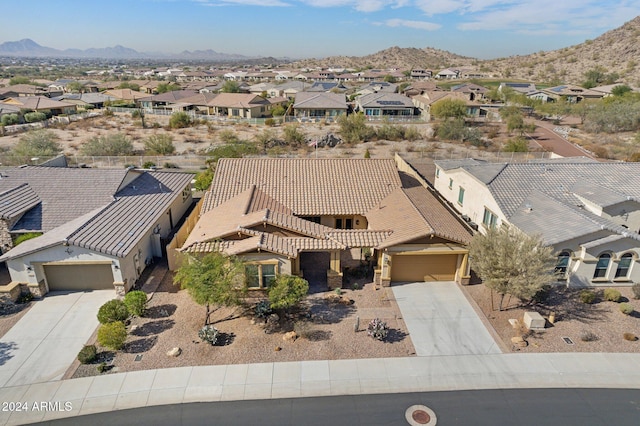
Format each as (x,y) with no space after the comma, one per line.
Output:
(534,321)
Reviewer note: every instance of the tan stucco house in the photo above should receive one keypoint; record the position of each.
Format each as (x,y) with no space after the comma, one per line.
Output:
(317,217)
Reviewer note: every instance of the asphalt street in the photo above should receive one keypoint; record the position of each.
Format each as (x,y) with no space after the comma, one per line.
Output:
(549,407)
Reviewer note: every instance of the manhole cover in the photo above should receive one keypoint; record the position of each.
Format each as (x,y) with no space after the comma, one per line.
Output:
(419,415)
(138,357)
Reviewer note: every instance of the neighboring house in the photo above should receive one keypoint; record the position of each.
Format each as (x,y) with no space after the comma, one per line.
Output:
(41,104)
(240,105)
(324,86)
(18,90)
(572,93)
(126,95)
(378,105)
(522,88)
(164,100)
(310,104)
(317,217)
(425,101)
(377,87)
(86,100)
(100,227)
(473,91)
(588,211)
(448,74)
(421,74)
(198,102)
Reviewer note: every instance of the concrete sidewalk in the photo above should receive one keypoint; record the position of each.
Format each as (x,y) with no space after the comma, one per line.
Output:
(320,378)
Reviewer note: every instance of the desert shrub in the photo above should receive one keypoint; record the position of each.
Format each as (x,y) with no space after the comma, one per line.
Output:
(25,298)
(148,165)
(293,136)
(269,122)
(630,337)
(636,290)
(263,309)
(159,144)
(354,128)
(113,311)
(303,329)
(287,291)
(378,329)
(209,334)
(542,295)
(168,165)
(33,117)
(518,144)
(24,237)
(587,296)
(87,354)
(180,120)
(228,136)
(234,150)
(411,133)
(626,308)
(612,295)
(112,335)
(37,143)
(136,302)
(588,336)
(10,119)
(115,144)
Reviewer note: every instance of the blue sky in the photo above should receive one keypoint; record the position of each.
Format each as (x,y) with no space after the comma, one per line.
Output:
(315,28)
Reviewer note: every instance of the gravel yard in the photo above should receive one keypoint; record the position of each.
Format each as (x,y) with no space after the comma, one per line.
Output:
(573,319)
(173,320)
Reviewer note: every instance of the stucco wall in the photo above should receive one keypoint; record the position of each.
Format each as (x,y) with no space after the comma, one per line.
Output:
(627,214)
(284,264)
(583,268)
(476,195)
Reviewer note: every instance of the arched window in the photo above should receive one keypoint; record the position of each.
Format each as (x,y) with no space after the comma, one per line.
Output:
(624,265)
(563,262)
(602,266)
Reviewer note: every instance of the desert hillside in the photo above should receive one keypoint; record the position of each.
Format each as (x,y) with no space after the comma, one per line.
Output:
(616,51)
(393,57)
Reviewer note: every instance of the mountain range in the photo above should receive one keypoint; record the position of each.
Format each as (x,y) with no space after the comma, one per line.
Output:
(29,48)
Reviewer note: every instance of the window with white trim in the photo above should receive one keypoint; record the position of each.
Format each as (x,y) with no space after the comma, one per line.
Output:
(563,262)
(602,266)
(490,219)
(622,271)
(461,195)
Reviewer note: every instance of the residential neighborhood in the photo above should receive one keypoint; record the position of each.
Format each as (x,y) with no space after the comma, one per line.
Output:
(176,232)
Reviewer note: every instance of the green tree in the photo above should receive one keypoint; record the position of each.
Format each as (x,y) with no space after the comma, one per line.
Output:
(167,87)
(9,119)
(511,262)
(34,117)
(367,154)
(620,90)
(161,144)
(213,280)
(112,335)
(180,120)
(230,86)
(75,87)
(278,111)
(108,145)
(37,143)
(203,180)
(129,85)
(287,291)
(449,108)
(389,78)
(136,302)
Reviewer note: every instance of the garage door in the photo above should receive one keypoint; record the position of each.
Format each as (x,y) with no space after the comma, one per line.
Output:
(79,277)
(439,267)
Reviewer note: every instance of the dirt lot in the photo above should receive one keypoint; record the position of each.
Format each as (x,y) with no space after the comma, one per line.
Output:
(173,320)
(573,319)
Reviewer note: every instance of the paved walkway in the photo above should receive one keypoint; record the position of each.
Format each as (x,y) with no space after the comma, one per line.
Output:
(441,321)
(41,346)
(320,378)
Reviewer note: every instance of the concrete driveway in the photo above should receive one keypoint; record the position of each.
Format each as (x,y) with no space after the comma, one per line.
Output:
(441,321)
(46,340)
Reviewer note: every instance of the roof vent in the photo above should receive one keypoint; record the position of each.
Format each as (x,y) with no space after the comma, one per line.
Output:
(528,208)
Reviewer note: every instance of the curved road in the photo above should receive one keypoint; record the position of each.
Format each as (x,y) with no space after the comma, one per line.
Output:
(549,407)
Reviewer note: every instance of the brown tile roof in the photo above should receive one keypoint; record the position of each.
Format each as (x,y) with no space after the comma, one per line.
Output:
(17,200)
(309,187)
(237,100)
(126,94)
(359,237)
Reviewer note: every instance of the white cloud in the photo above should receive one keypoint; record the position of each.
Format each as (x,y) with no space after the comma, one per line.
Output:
(359,5)
(419,25)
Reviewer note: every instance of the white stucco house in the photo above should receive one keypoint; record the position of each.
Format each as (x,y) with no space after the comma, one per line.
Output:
(588,211)
(99,228)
